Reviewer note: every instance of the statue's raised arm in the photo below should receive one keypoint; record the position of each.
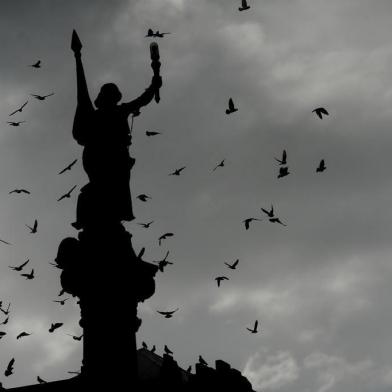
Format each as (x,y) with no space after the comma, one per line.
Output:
(84,107)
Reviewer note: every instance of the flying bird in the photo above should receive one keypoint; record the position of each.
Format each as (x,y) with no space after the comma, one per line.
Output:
(2,334)
(74,337)
(168,314)
(36,65)
(41,97)
(167,350)
(62,301)
(248,220)
(202,361)
(146,225)
(15,123)
(283,172)
(282,161)
(33,229)
(5,321)
(69,167)
(22,335)
(164,236)
(40,380)
(321,167)
(221,164)
(20,191)
(152,133)
(19,267)
(219,279)
(6,312)
(254,329)
(29,276)
(234,265)
(231,108)
(10,368)
(143,197)
(276,220)
(55,326)
(177,172)
(320,112)
(163,263)
(67,195)
(244,6)
(20,109)
(270,213)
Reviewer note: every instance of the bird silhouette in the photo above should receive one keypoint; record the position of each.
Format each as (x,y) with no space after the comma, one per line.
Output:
(22,335)
(20,191)
(202,361)
(248,220)
(150,33)
(15,123)
(41,97)
(276,220)
(33,229)
(2,334)
(244,6)
(164,236)
(231,108)
(19,267)
(282,161)
(270,213)
(177,172)
(219,279)
(320,112)
(283,172)
(36,65)
(6,312)
(234,265)
(55,326)
(10,368)
(153,349)
(167,350)
(146,225)
(143,197)
(144,345)
(61,302)
(67,195)
(221,164)
(20,109)
(29,276)
(5,321)
(74,337)
(168,314)
(321,167)
(254,329)
(151,133)
(40,380)
(69,167)
(163,263)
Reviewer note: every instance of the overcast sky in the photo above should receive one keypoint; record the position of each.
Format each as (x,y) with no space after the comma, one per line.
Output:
(319,287)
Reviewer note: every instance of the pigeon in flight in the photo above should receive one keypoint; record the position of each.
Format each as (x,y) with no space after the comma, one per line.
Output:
(146,225)
(29,276)
(177,172)
(231,108)
(283,172)
(22,335)
(163,263)
(202,361)
(69,167)
(164,236)
(320,112)
(167,350)
(20,191)
(67,195)
(282,161)
(20,109)
(270,213)
(19,267)
(144,345)
(40,380)
(244,6)
(41,97)
(168,314)
(2,334)
(276,220)
(254,330)
(248,220)
(221,164)
(234,265)
(219,279)
(61,301)
(36,65)
(15,123)
(55,326)
(74,337)
(321,166)
(143,197)
(33,229)
(153,349)
(10,368)
(152,133)
(5,321)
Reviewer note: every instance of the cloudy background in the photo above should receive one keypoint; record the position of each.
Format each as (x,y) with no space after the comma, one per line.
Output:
(320,287)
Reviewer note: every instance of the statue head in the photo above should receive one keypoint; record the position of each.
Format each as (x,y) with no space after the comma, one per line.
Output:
(108,97)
